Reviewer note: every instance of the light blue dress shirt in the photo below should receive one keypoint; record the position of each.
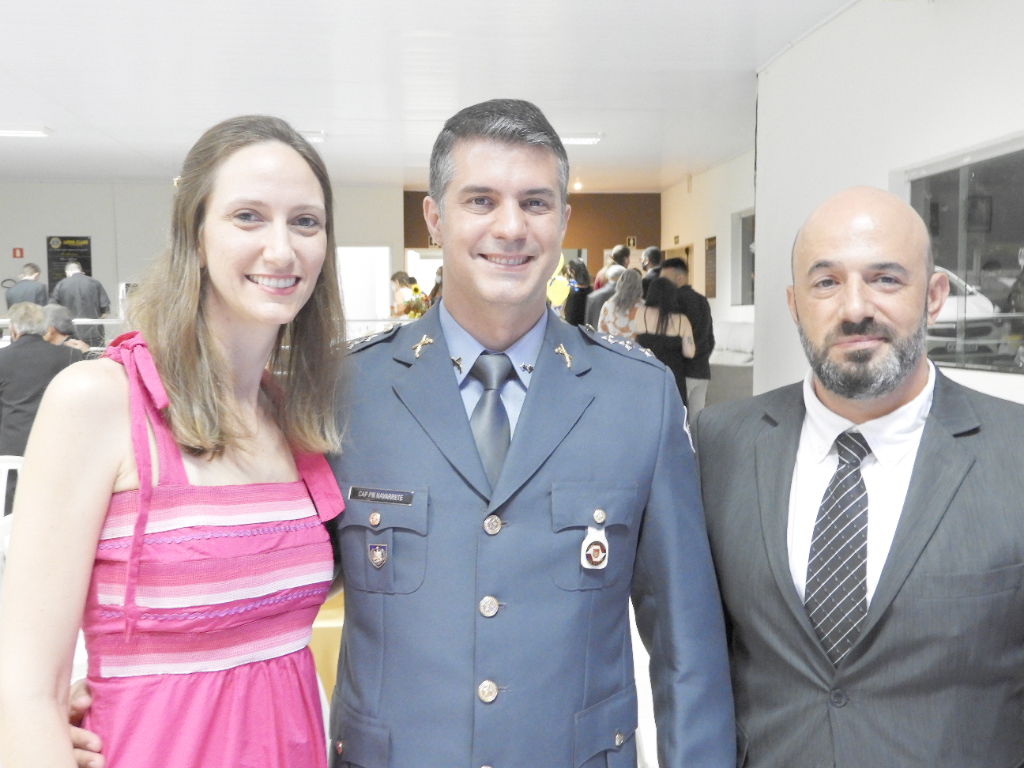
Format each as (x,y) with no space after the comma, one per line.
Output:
(523,355)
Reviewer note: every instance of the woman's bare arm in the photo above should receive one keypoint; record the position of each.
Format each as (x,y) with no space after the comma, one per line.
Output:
(77,454)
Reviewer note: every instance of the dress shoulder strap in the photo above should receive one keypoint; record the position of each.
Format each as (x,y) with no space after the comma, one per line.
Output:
(322,486)
(147,397)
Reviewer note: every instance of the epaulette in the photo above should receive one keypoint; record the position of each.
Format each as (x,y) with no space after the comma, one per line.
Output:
(626,347)
(357,345)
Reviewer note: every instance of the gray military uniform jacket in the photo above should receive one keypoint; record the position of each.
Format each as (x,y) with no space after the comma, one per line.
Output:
(473,634)
(936,677)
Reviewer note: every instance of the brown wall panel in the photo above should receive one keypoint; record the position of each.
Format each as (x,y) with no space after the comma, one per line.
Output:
(598,221)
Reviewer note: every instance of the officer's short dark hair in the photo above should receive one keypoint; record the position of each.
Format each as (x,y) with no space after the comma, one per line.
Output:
(511,121)
(675,264)
(620,255)
(653,256)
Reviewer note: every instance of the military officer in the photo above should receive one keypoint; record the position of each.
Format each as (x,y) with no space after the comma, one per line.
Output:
(504,500)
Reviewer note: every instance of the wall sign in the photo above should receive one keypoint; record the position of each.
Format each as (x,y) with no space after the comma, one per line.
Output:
(19,253)
(61,250)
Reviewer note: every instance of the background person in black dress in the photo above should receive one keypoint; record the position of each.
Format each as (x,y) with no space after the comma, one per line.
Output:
(576,302)
(665,331)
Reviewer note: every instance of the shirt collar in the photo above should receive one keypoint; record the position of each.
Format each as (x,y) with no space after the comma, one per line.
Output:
(890,437)
(462,346)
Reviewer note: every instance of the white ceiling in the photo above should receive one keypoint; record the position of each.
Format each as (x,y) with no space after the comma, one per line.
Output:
(126,86)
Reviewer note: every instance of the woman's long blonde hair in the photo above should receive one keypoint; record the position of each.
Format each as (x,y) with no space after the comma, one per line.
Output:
(167,307)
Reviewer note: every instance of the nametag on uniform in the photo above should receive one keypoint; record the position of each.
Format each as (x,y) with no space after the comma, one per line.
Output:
(594,554)
(380,496)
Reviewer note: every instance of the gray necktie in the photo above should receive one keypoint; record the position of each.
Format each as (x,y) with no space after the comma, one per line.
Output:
(837,597)
(489,421)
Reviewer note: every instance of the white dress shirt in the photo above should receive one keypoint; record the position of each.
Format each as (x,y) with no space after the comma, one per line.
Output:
(523,354)
(893,439)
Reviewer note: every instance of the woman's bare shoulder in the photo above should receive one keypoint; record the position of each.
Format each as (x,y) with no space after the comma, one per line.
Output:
(97,388)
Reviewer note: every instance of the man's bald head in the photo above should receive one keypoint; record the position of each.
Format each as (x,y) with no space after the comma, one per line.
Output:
(860,213)
(864,290)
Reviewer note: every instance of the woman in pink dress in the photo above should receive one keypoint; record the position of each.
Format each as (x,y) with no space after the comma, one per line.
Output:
(174,493)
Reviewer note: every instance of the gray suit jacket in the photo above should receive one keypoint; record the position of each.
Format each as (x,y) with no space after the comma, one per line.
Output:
(418,640)
(595,301)
(936,677)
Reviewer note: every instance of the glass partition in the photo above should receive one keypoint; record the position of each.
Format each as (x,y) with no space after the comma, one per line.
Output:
(975,214)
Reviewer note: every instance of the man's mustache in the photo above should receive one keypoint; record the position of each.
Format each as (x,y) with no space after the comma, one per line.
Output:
(866,327)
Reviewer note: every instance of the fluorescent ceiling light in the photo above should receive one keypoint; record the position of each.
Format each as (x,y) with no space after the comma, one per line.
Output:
(582,138)
(24,133)
(315,137)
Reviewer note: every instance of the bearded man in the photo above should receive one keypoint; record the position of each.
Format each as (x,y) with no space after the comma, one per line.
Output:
(867,524)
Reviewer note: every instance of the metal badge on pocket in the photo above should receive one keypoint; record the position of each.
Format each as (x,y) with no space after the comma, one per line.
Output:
(378,555)
(594,554)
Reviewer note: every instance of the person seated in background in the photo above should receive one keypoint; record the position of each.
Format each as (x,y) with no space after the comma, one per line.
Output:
(666,332)
(60,330)
(580,287)
(597,299)
(620,256)
(26,368)
(28,287)
(618,315)
(401,293)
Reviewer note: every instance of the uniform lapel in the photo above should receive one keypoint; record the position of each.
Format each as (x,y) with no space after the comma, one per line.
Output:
(941,465)
(775,457)
(429,390)
(557,397)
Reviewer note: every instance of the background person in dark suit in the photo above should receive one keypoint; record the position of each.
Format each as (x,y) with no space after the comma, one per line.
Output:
(26,368)
(866,524)
(652,263)
(697,309)
(84,296)
(28,287)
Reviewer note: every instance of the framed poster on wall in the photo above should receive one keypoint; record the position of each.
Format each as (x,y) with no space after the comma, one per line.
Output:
(61,250)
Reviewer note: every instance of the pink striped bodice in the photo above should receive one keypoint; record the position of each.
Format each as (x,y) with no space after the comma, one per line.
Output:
(203,578)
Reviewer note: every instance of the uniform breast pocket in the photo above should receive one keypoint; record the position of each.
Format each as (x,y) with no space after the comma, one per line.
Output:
(599,514)
(383,539)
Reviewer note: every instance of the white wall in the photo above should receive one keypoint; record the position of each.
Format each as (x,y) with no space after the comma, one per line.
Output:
(128,223)
(372,216)
(885,86)
(706,211)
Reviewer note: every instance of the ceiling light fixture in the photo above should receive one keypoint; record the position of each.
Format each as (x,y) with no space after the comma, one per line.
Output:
(577,186)
(25,133)
(582,138)
(315,137)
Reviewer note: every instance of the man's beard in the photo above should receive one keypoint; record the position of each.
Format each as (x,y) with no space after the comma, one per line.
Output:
(858,378)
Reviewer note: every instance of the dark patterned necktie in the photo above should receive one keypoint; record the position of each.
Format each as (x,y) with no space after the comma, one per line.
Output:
(836,597)
(489,422)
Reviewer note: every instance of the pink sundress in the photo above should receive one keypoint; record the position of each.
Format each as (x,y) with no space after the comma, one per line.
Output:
(201,605)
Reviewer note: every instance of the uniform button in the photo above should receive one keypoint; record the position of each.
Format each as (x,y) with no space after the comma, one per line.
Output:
(487,691)
(488,606)
(375,518)
(619,739)
(337,746)
(492,524)
(600,516)
(838,697)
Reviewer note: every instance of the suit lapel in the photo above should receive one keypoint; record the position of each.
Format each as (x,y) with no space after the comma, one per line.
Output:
(941,465)
(557,397)
(438,409)
(775,457)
